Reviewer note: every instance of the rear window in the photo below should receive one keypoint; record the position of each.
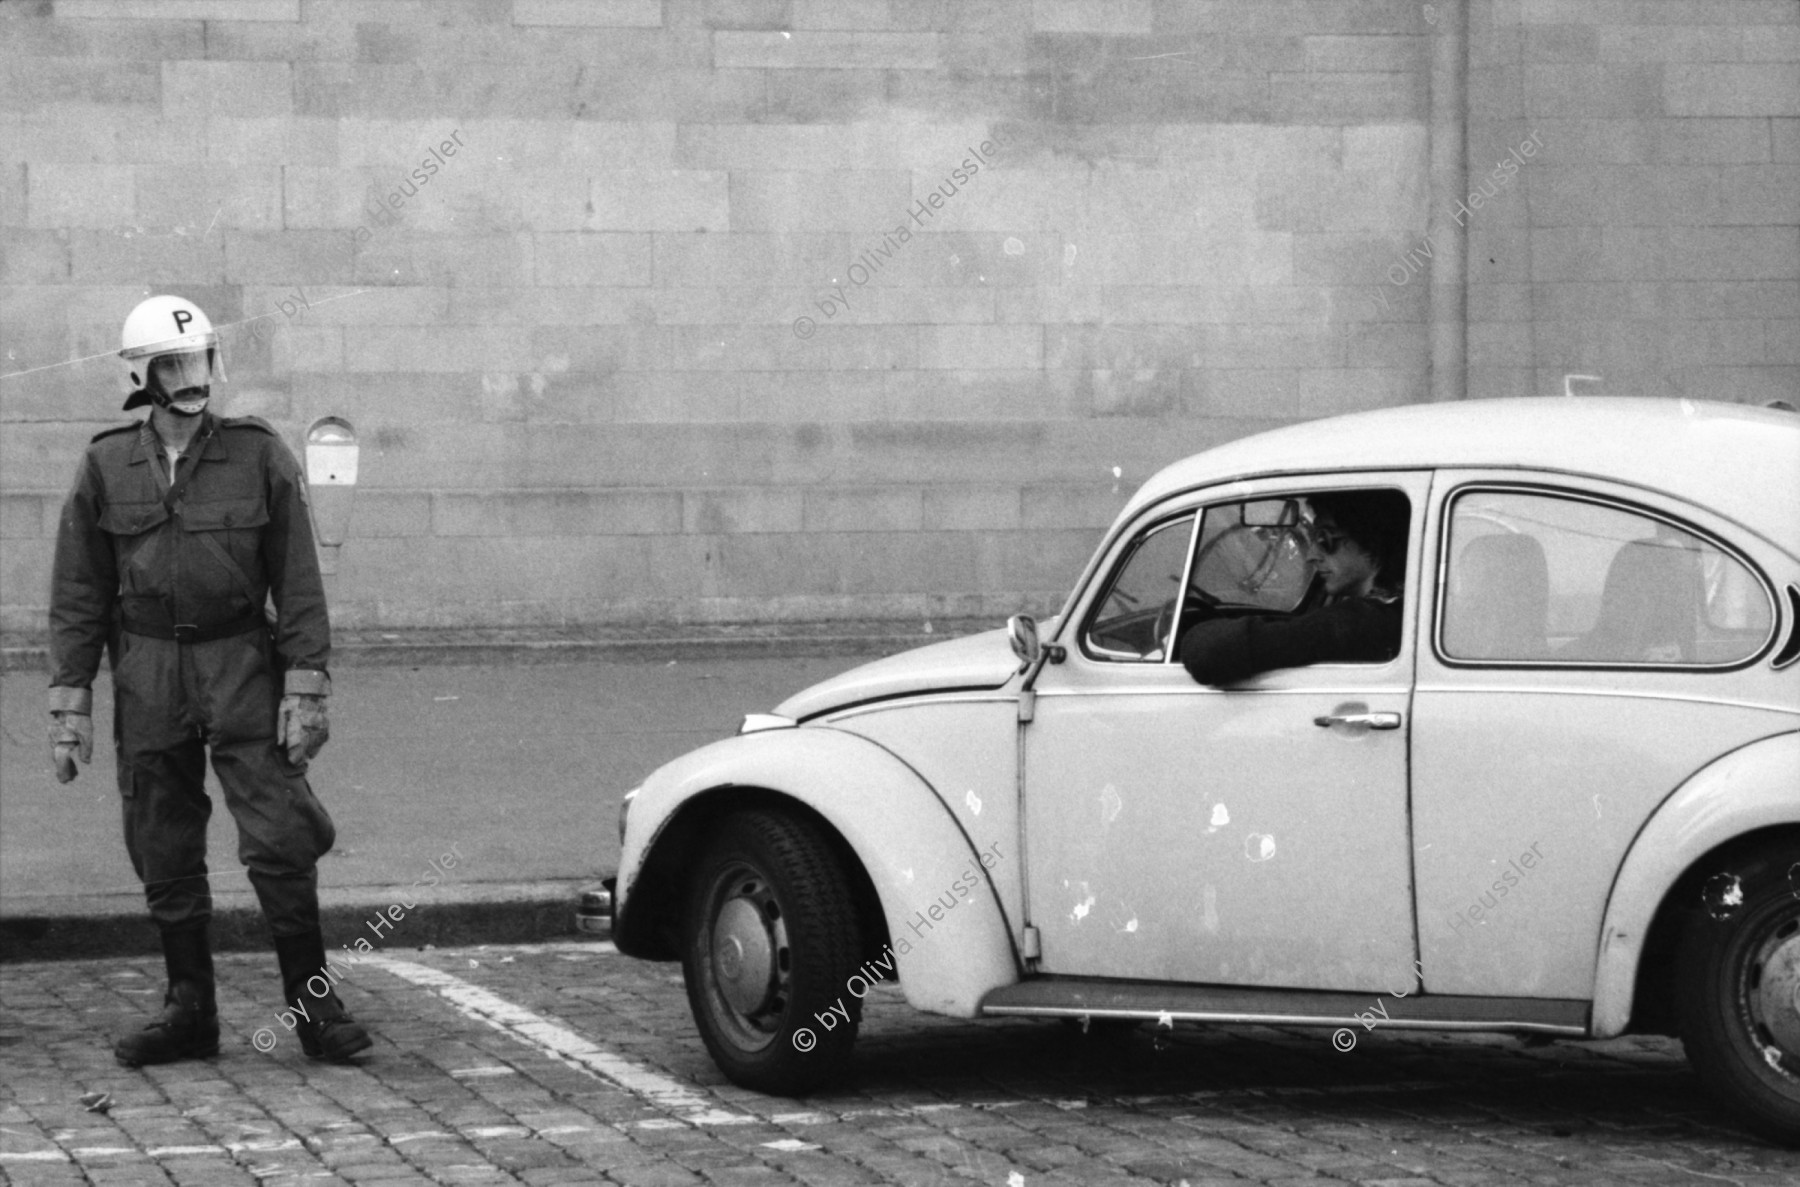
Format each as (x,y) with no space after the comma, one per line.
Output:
(1537,577)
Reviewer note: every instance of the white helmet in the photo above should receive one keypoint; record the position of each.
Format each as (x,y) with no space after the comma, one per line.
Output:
(162,326)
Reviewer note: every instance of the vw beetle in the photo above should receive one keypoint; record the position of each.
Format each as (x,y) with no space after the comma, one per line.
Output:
(1570,805)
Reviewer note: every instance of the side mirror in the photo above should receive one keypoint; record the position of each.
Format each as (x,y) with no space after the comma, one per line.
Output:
(1022,630)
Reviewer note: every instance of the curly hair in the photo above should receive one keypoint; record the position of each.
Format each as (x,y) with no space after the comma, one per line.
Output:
(1375,519)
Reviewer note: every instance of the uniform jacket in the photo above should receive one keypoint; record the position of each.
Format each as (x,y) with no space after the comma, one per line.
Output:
(118,545)
(1355,630)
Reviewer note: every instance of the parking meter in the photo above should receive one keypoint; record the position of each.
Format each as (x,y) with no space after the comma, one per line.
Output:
(331,455)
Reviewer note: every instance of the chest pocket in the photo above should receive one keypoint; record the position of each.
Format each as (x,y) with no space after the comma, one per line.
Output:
(136,543)
(229,532)
(131,519)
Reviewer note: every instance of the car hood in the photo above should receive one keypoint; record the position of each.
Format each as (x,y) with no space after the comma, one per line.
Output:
(985,660)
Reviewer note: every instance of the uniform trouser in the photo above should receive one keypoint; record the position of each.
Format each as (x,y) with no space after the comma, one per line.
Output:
(174,701)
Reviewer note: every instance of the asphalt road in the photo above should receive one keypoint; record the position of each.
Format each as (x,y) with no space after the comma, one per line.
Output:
(519,767)
(567,1063)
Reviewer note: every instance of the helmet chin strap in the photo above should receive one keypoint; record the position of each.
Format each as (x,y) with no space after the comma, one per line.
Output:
(164,400)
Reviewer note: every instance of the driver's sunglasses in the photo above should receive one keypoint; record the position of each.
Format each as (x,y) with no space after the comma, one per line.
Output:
(1324,539)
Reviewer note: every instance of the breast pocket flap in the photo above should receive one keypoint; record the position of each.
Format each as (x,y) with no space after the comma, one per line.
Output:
(224,514)
(131,519)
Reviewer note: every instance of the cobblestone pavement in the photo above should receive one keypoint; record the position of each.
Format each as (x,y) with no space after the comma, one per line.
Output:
(571,1064)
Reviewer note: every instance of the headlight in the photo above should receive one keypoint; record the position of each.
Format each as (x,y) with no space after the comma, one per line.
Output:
(625,810)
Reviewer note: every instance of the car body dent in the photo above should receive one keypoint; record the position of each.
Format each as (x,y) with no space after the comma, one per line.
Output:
(981,661)
(907,840)
(1752,788)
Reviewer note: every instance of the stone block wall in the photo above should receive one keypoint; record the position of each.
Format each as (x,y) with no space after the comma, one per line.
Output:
(1655,239)
(650,344)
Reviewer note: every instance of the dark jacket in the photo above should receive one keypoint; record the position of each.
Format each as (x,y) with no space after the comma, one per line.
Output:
(1355,630)
(239,534)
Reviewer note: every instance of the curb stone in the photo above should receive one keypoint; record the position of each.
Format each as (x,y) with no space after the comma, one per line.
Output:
(637,643)
(480,913)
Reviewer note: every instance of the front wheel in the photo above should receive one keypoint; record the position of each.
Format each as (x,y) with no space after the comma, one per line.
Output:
(1739,991)
(769,940)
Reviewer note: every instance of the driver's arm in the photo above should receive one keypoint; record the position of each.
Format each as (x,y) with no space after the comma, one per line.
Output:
(1229,650)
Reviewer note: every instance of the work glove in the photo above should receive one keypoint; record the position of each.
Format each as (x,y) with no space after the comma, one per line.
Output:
(302,726)
(301,729)
(71,730)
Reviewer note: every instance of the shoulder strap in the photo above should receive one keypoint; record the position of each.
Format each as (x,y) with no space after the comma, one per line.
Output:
(128,427)
(248,422)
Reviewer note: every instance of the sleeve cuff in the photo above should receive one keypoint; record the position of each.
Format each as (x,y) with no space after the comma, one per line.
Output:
(72,700)
(306,684)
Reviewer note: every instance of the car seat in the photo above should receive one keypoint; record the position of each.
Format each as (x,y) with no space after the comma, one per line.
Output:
(1647,607)
(1500,595)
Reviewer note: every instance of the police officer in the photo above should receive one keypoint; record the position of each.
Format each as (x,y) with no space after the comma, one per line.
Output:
(179,531)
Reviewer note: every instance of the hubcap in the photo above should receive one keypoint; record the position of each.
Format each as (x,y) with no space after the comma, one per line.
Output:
(1775,991)
(743,956)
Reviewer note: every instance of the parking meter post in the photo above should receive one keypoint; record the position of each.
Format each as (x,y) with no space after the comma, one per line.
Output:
(332,454)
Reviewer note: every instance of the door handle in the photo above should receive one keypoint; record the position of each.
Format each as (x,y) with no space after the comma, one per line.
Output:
(1375,721)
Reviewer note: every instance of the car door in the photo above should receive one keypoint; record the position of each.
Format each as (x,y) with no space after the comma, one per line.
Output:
(1256,835)
(1593,647)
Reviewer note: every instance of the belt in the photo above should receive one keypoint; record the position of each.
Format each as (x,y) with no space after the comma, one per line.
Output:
(159,624)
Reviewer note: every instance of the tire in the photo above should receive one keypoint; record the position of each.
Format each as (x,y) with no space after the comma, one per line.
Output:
(769,939)
(1738,991)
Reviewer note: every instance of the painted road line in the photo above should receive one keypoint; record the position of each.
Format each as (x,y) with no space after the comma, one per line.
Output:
(583,947)
(562,1044)
(79,1154)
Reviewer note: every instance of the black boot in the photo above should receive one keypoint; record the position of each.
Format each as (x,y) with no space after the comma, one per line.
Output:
(325,1028)
(189,1025)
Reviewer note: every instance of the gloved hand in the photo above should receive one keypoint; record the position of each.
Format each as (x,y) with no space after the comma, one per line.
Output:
(301,726)
(71,730)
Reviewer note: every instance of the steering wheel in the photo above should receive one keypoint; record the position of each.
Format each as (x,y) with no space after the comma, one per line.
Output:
(1165,617)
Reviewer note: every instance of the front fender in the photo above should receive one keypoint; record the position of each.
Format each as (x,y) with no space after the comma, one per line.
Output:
(1751,788)
(908,841)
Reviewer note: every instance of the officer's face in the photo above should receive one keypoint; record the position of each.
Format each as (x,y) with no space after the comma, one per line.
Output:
(184,378)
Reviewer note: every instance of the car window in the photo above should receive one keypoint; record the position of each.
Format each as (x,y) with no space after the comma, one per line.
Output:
(1540,577)
(1129,621)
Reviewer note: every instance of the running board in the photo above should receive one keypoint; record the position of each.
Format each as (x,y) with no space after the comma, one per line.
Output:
(1151,1001)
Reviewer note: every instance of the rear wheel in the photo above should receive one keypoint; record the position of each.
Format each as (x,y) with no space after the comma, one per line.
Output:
(769,939)
(1738,991)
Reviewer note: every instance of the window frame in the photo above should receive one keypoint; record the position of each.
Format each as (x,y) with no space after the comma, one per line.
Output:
(1447,521)
(1199,504)
(1128,554)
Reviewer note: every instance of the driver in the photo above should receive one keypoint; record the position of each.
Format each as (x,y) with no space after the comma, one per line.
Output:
(1356,541)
